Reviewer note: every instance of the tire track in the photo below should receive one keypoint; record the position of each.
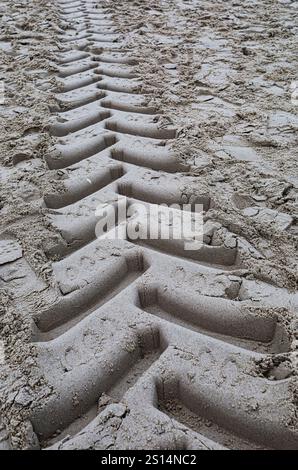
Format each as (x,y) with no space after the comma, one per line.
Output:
(115,326)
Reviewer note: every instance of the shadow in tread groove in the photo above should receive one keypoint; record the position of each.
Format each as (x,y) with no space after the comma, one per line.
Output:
(210,415)
(126,368)
(75,306)
(220,318)
(83,188)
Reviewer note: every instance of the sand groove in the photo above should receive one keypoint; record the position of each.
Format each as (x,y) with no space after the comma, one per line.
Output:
(115,328)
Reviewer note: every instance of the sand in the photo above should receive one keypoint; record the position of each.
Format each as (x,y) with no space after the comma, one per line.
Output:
(128,344)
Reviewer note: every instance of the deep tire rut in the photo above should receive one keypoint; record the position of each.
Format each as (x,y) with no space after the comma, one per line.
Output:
(148,333)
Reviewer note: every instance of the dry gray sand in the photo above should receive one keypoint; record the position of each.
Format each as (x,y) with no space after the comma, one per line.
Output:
(122,344)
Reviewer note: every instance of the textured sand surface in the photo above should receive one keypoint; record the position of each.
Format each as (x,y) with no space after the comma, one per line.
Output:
(122,344)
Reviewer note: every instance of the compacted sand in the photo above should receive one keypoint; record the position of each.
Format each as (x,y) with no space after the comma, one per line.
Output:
(129,344)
